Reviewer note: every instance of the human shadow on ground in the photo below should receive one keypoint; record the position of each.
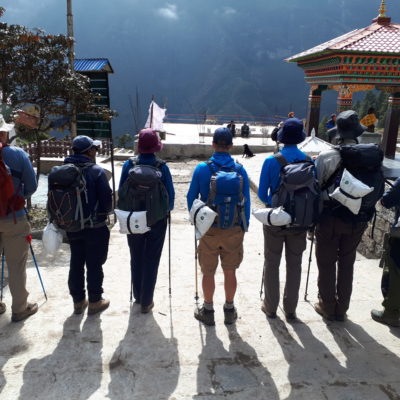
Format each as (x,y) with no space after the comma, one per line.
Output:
(11,344)
(367,361)
(145,364)
(311,364)
(234,373)
(74,369)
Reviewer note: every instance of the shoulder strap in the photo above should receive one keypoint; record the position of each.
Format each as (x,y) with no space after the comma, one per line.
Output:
(280,158)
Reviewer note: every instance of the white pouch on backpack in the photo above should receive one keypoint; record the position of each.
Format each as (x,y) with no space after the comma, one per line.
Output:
(350,192)
(202,217)
(132,222)
(273,216)
(52,239)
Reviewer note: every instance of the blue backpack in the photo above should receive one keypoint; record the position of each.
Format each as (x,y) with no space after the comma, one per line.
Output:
(226,195)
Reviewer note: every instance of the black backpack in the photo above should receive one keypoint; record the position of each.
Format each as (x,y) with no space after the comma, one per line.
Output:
(144,190)
(298,192)
(364,162)
(67,198)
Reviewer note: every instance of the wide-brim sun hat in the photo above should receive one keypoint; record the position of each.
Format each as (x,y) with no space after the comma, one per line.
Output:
(82,144)
(347,126)
(4,127)
(149,141)
(292,132)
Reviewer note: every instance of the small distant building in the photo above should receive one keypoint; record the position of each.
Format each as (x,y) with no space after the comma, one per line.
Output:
(97,70)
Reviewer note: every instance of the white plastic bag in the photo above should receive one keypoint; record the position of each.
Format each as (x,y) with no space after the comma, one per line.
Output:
(204,217)
(132,222)
(350,192)
(51,239)
(273,216)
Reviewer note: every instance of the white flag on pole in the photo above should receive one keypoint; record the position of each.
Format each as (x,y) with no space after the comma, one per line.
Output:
(156,117)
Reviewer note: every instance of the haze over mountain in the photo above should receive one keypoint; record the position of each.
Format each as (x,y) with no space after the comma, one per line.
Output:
(219,56)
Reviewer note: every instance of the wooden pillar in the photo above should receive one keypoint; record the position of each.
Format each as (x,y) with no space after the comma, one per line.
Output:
(389,140)
(344,100)
(314,106)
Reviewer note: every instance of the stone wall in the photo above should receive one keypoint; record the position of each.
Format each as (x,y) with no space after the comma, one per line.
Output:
(372,247)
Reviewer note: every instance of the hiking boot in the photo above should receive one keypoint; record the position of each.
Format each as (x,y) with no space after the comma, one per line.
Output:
(205,316)
(269,314)
(147,309)
(80,306)
(230,315)
(320,310)
(30,309)
(290,316)
(98,306)
(341,317)
(379,316)
(3,308)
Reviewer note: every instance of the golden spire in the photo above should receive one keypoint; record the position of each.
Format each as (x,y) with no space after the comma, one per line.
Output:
(382,9)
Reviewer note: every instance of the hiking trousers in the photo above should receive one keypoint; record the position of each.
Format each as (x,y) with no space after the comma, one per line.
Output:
(88,247)
(16,247)
(335,250)
(295,243)
(146,252)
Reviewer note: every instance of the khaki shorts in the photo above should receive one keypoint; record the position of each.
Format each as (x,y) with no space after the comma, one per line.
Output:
(225,243)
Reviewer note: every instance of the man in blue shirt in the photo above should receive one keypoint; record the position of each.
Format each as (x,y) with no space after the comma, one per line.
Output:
(14,226)
(226,244)
(290,135)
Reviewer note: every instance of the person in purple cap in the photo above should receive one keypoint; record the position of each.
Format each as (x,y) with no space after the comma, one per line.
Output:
(224,240)
(146,248)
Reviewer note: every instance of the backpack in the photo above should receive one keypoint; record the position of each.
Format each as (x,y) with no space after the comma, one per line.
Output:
(67,198)
(226,195)
(10,201)
(144,190)
(364,162)
(298,192)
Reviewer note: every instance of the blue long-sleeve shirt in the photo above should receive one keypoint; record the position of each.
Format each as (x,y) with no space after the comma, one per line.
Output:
(150,159)
(24,178)
(270,173)
(200,184)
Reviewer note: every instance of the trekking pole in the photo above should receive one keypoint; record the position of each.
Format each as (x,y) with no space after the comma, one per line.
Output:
(196,296)
(262,282)
(309,264)
(169,252)
(29,240)
(2,275)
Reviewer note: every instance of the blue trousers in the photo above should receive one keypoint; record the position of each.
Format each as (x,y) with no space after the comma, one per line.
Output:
(146,252)
(90,247)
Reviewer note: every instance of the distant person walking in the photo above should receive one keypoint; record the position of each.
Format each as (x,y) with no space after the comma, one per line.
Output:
(232,127)
(18,182)
(290,134)
(331,122)
(370,120)
(90,238)
(224,240)
(145,249)
(245,130)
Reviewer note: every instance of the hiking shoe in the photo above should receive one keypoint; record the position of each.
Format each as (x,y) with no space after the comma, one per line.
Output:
(98,306)
(147,309)
(30,309)
(80,306)
(269,314)
(3,308)
(205,316)
(319,309)
(230,315)
(379,316)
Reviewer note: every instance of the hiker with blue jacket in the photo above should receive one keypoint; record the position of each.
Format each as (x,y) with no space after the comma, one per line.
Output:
(89,245)
(146,248)
(224,240)
(290,134)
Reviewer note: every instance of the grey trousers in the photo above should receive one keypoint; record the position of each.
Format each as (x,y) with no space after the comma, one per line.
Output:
(295,244)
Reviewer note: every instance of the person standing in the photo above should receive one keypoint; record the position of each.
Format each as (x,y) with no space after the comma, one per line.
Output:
(222,241)
(331,122)
(339,231)
(245,130)
(18,182)
(290,134)
(232,127)
(145,249)
(89,246)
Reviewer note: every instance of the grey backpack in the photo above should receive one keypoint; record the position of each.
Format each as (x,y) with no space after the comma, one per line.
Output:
(298,192)
(144,190)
